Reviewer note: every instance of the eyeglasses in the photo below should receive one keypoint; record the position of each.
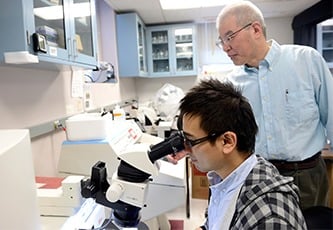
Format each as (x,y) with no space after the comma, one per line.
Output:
(191,143)
(226,40)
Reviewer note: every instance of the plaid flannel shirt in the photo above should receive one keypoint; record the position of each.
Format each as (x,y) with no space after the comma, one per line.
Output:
(267,200)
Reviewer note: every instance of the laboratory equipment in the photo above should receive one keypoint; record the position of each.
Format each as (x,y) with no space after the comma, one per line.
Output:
(166,101)
(127,192)
(59,196)
(17,178)
(86,126)
(78,157)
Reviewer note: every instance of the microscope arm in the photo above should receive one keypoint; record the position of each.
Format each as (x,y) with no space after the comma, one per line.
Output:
(96,187)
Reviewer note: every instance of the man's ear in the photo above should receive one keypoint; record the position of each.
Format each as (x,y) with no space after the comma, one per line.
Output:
(229,141)
(258,30)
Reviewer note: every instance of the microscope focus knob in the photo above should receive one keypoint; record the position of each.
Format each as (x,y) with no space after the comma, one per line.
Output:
(115,191)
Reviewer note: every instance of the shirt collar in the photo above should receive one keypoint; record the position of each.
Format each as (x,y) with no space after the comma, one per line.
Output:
(270,58)
(236,178)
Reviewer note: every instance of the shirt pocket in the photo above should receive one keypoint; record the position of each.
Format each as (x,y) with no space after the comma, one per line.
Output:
(301,106)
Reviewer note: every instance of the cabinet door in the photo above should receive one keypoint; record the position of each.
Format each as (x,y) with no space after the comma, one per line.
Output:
(70,29)
(83,31)
(325,40)
(142,48)
(171,50)
(184,51)
(159,52)
(131,44)
(50,21)
(327,48)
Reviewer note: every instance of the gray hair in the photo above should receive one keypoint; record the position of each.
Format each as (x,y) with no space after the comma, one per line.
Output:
(244,12)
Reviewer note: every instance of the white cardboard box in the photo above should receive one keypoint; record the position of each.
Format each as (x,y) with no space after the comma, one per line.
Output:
(87,126)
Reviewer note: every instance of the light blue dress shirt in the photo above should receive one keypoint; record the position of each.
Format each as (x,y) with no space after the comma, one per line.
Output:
(291,94)
(224,194)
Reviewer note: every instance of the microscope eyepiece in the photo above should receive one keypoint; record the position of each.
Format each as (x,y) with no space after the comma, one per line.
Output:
(171,145)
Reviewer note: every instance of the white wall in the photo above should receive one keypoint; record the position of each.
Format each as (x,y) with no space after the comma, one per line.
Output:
(280,30)
(30,96)
(147,87)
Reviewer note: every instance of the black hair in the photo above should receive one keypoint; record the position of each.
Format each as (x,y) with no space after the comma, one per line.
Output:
(221,107)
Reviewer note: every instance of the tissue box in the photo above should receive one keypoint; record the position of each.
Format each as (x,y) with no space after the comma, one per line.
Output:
(89,126)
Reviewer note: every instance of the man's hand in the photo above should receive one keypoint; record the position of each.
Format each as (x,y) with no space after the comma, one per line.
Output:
(174,158)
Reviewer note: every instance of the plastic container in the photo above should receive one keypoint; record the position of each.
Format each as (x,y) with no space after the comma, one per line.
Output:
(118,114)
(89,126)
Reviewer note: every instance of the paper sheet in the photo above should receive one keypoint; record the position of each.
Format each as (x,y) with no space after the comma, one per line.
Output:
(77,83)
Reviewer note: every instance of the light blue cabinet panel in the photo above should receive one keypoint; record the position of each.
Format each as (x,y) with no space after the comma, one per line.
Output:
(171,50)
(131,45)
(155,51)
(69,27)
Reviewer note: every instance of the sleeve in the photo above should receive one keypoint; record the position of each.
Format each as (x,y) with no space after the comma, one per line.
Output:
(323,81)
(273,223)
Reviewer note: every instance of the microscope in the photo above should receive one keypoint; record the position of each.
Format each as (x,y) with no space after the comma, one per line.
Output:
(127,190)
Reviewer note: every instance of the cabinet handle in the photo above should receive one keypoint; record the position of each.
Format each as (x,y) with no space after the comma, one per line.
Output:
(28,37)
(69,47)
(75,48)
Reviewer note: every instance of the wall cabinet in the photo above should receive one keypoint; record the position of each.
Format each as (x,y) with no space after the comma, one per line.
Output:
(325,40)
(69,27)
(154,51)
(171,50)
(131,45)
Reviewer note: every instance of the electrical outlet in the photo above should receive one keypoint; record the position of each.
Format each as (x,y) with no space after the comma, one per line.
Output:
(87,95)
(57,124)
(87,104)
(87,100)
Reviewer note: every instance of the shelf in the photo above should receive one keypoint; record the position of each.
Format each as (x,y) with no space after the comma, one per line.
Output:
(184,55)
(160,59)
(160,43)
(183,41)
(184,45)
(44,3)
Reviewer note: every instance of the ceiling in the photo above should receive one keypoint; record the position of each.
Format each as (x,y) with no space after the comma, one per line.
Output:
(151,12)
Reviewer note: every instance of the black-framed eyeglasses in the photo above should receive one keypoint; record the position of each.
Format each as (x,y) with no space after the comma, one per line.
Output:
(191,143)
(226,40)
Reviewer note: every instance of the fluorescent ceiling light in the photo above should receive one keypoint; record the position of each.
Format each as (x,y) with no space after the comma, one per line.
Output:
(190,4)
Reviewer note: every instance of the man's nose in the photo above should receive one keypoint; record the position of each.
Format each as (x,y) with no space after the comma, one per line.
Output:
(226,47)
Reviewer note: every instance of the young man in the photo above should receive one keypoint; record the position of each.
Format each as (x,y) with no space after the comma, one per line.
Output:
(290,89)
(247,192)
